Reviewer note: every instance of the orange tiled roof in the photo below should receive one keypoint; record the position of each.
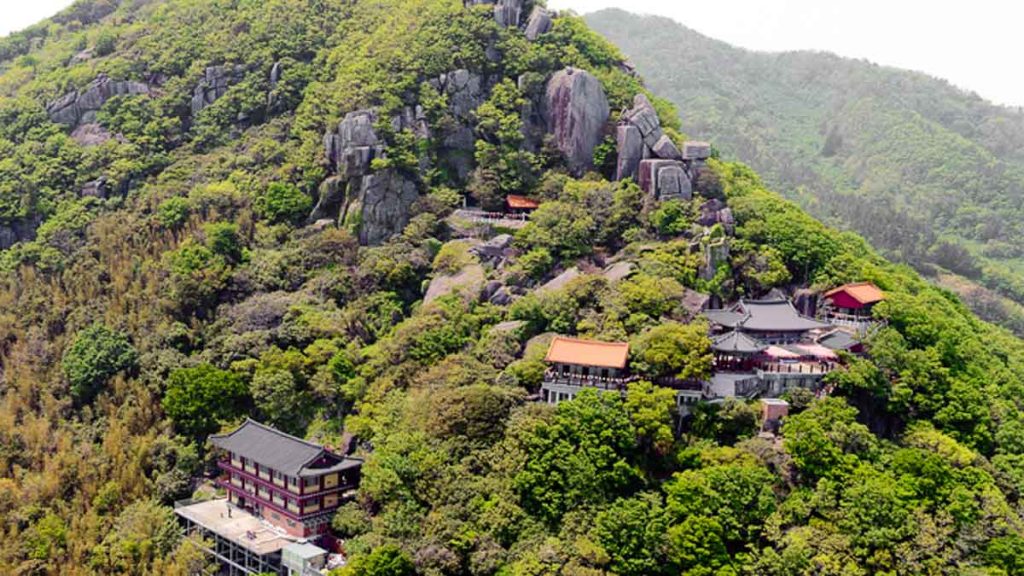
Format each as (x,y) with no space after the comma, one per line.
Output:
(863,292)
(521,202)
(588,352)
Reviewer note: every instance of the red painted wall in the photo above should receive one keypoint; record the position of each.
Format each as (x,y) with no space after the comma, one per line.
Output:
(844,300)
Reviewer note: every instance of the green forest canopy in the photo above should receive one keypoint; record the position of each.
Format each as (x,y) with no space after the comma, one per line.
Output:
(125,315)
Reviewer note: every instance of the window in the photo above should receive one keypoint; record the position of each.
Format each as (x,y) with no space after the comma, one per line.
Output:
(311,482)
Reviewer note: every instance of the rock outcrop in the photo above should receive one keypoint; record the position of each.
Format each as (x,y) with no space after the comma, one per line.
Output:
(715,211)
(469,282)
(18,231)
(381,207)
(352,148)
(507,13)
(647,155)
(375,205)
(214,84)
(466,91)
(538,24)
(79,107)
(665,179)
(716,253)
(494,252)
(575,110)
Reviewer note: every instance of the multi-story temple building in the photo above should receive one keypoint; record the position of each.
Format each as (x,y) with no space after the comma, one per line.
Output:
(292,483)
(281,494)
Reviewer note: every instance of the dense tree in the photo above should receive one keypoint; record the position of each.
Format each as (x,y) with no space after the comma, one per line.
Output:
(199,400)
(676,350)
(97,354)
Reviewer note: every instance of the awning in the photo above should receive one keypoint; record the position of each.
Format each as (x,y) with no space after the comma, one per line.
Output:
(780,353)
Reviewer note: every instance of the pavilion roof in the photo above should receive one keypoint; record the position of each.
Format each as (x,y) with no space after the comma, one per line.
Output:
(736,342)
(565,350)
(863,292)
(775,315)
(521,202)
(280,451)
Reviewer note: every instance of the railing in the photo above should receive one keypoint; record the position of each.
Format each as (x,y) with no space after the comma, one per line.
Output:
(797,368)
(293,512)
(226,466)
(573,379)
(510,220)
(680,383)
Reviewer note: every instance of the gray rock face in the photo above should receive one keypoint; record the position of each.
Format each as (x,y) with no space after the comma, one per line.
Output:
(715,211)
(98,188)
(575,110)
(214,84)
(696,150)
(494,251)
(332,197)
(91,134)
(641,140)
(17,231)
(645,118)
(469,282)
(716,253)
(508,13)
(665,148)
(466,91)
(375,204)
(355,144)
(805,301)
(80,106)
(538,24)
(618,272)
(665,179)
(503,297)
(630,145)
(381,207)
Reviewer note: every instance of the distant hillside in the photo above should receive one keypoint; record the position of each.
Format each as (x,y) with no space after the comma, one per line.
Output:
(920,167)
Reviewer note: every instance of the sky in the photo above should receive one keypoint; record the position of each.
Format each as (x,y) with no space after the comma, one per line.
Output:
(971,44)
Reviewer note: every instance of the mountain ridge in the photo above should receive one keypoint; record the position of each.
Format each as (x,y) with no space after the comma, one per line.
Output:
(790,114)
(301,214)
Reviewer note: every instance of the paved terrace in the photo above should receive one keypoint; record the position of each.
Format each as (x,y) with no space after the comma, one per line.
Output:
(235,524)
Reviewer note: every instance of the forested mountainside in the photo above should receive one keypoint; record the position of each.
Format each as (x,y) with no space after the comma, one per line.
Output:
(930,174)
(221,209)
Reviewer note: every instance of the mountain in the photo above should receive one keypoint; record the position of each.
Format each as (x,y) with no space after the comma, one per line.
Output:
(310,213)
(930,174)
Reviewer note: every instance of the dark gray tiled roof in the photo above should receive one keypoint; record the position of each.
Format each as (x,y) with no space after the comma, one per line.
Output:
(838,340)
(776,315)
(726,318)
(277,450)
(736,342)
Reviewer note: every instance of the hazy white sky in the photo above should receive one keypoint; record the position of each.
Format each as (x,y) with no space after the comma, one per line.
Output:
(976,45)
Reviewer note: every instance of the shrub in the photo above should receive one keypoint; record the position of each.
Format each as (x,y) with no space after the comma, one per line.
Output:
(96,354)
(283,203)
(173,212)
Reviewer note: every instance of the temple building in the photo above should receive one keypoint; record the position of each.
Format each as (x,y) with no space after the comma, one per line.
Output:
(851,301)
(574,364)
(516,204)
(765,347)
(773,321)
(281,494)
